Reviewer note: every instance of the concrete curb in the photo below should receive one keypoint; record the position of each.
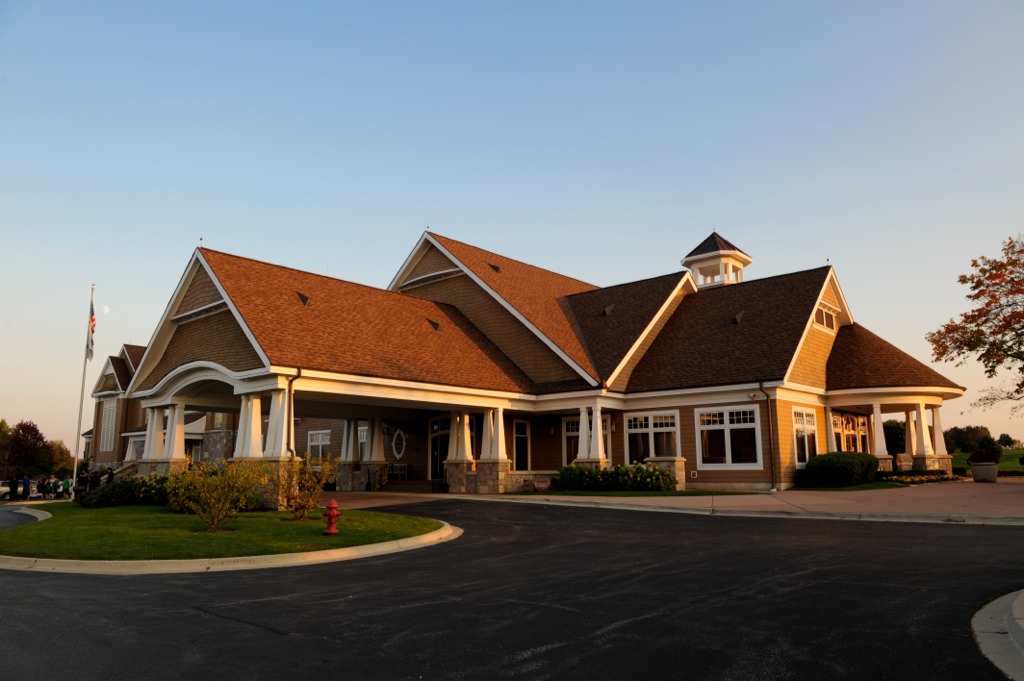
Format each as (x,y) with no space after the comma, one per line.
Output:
(38,515)
(999,631)
(151,567)
(752,513)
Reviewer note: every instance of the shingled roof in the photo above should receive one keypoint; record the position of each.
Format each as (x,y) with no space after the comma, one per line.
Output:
(537,294)
(860,359)
(713,244)
(612,318)
(315,322)
(743,333)
(135,353)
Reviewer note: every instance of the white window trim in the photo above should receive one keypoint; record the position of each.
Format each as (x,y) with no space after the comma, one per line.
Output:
(309,441)
(817,438)
(107,424)
(829,310)
(529,448)
(606,423)
(650,431)
(758,466)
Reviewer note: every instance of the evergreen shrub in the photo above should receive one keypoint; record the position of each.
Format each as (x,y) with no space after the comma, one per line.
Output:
(150,490)
(634,478)
(838,469)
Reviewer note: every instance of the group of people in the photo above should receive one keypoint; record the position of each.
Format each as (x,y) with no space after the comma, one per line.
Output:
(52,487)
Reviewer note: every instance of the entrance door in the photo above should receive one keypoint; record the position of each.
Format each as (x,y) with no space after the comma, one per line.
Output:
(440,436)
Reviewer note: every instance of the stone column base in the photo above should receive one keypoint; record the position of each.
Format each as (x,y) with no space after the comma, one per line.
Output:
(675,465)
(597,464)
(161,466)
(492,475)
(461,476)
(346,477)
(884,462)
(943,462)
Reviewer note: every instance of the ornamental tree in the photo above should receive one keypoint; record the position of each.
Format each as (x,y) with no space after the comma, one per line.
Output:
(993,330)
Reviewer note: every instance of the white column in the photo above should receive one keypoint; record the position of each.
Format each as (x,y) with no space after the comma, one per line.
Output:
(349,441)
(154,429)
(939,441)
(375,441)
(880,448)
(908,446)
(252,435)
(830,436)
(597,448)
(584,448)
(487,437)
(241,445)
(277,429)
(499,435)
(465,450)
(924,445)
(174,443)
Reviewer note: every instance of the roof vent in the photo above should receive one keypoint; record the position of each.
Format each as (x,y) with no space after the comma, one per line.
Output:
(303,298)
(739,318)
(433,324)
(494,267)
(607,311)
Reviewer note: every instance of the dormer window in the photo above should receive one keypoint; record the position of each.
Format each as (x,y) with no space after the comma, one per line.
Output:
(825,317)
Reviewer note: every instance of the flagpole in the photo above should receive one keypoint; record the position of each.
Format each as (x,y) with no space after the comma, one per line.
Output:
(81,400)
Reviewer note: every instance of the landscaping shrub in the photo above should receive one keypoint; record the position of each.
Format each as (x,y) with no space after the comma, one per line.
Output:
(919,477)
(838,469)
(150,490)
(298,486)
(635,478)
(214,492)
(960,471)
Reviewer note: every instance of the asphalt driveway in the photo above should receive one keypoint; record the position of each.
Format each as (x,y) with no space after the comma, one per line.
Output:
(534,592)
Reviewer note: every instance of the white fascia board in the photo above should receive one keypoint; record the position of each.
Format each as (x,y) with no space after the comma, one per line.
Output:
(686,278)
(900,394)
(798,395)
(186,374)
(514,312)
(324,378)
(833,280)
(794,388)
(810,323)
(411,261)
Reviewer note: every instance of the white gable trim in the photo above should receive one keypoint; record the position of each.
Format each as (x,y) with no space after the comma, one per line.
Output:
(513,311)
(684,280)
(418,251)
(162,335)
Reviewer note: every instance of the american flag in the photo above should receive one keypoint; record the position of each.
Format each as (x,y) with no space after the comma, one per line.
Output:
(92,330)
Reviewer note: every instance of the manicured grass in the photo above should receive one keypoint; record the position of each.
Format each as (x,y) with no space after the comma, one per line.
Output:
(1010,460)
(154,533)
(593,493)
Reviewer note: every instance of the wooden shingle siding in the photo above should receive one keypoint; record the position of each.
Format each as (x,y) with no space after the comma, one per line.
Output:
(528,352)
(829,296)
(622,380)
(545,443)
(812,360)
(216,338)
(201,291)
(787,443)
(688,446)
(432,261)
(108,383)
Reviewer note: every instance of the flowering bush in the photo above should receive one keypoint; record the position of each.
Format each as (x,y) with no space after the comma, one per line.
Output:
(634,478)
(214,492)
(298,486)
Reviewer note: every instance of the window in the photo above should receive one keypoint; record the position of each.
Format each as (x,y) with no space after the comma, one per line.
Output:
(805,435)
(652,434)
(728,437)
(362,435)
(521,445)
(826,318)
(319,443)
(571,437)
(851,433)
(107,425)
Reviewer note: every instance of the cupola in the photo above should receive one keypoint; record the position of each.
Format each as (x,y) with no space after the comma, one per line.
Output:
(716,262)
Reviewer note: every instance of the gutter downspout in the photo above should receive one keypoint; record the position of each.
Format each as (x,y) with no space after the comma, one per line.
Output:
(290,418)
(771,434)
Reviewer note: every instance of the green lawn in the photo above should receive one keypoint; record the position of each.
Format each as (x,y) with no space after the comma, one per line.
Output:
(1009,462)
(154,533)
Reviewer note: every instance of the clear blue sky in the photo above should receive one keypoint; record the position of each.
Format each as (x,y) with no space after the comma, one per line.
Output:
(600,139)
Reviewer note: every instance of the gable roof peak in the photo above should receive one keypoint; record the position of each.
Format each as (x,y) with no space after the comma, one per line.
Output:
(716,261)
(714,243)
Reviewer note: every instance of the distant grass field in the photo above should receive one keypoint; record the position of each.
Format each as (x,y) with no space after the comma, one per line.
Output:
(1009,462)
(154,533)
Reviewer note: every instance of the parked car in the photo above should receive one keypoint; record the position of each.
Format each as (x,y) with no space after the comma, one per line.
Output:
(5,490)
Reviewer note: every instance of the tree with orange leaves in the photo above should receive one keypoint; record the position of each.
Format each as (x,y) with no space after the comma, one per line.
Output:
(992,331)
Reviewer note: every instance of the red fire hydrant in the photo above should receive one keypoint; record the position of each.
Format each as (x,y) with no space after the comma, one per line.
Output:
(332,514)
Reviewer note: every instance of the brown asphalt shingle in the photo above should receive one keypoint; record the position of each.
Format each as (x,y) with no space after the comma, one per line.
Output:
(703,344)
(534,292)
(713,244)
(860,359)
(611,319)
(355,329)
(135,353)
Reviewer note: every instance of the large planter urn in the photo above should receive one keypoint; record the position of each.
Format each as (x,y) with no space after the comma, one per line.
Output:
(985,472)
